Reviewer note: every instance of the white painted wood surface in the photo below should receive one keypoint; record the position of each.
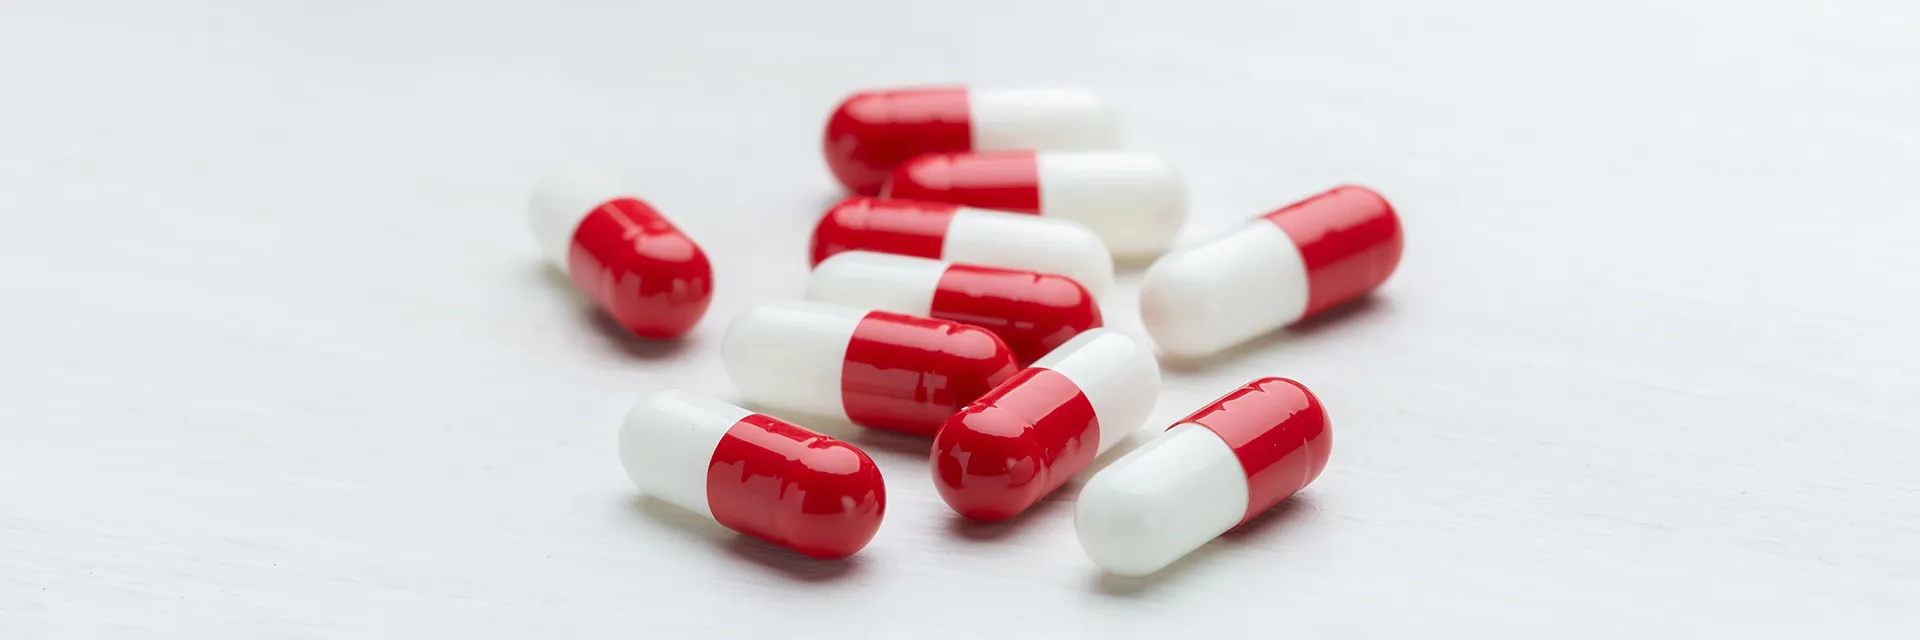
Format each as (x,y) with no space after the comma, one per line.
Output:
(280,359)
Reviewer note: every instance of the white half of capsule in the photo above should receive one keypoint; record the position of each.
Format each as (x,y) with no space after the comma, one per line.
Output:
(1065,119)
(1161,501)
(1117,374)
(789,355)
(1205,298)
(1033,243)
(870,280)
(561,200)
(1135,202)
(667,442)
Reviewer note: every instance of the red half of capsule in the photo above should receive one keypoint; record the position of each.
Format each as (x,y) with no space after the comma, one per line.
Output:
(873,132)
(801,490)
(1350,240)
(1032,312)
(907,373)
(901,227)
(1002,180)
(645,273)
(1015,445)
(1280,433)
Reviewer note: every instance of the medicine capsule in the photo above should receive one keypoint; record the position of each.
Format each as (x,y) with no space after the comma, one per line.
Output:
(756,474)
(1032,312)
(1282,267)
(624,255)
(1135,202)
(872,132)
(1031,434)
(874,368)
(1218,468)
(965,235)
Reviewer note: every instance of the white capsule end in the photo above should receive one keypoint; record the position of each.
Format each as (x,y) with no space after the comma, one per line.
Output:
(789,355)
(1062,119)
(667,441)
(1161,501)
(869,280)
(1118,375)
(1033,243)
(1136,202)
(561,199)
(1206,298)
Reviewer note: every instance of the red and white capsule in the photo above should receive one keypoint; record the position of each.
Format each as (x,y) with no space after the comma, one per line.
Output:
(874,131)
(1223,465)
(620,252)
(1031,434)
(965,235)
(1032,312)
(1135,202)
(1282,267)
(756,474)
(874,368)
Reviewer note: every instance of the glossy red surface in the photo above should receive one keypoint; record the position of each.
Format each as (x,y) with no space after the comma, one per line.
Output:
(1280,433)
(801,490)
(1012,447)
(908,373)
(873,132)
(642,271)
(1350,239)
(1031,312)
(1002,180)
(889,226)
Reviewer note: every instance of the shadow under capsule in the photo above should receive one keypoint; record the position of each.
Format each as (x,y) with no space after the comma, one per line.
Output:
(604,325)
(754,551)
(1265,527)
(1327,321)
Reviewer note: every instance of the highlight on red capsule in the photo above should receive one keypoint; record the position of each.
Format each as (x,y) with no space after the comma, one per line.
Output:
(1278,269)
(871,132)
(965,235)
(1032,312)
(1210,472)
(755,474)
(1134,201)
(626,257)
(1035,431)
(877,369)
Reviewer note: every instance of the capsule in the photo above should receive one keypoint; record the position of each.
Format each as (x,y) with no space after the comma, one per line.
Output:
(620,252)
(1218,468)
(1135,202)
(1031,434)
(1032,312)
(873,368)
(872,132)
(1282,267)
(965,235)
(756,474)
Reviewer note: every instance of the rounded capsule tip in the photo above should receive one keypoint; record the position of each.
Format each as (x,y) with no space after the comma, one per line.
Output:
(987,465)
(842,505)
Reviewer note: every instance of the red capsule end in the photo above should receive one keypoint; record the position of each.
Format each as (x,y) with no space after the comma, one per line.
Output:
(642,271)
(901,227)
(870,133)
(1280,433)
(1350,239)
(801,490)
(1003,180)
(1015,445)
(1032,312)
(909,374)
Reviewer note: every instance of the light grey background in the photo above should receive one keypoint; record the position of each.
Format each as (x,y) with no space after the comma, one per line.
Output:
(279,358)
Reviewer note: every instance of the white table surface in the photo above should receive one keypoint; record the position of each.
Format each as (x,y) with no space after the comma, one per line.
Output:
(279,358)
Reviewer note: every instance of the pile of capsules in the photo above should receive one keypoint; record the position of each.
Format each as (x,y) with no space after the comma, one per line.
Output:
(956,296)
